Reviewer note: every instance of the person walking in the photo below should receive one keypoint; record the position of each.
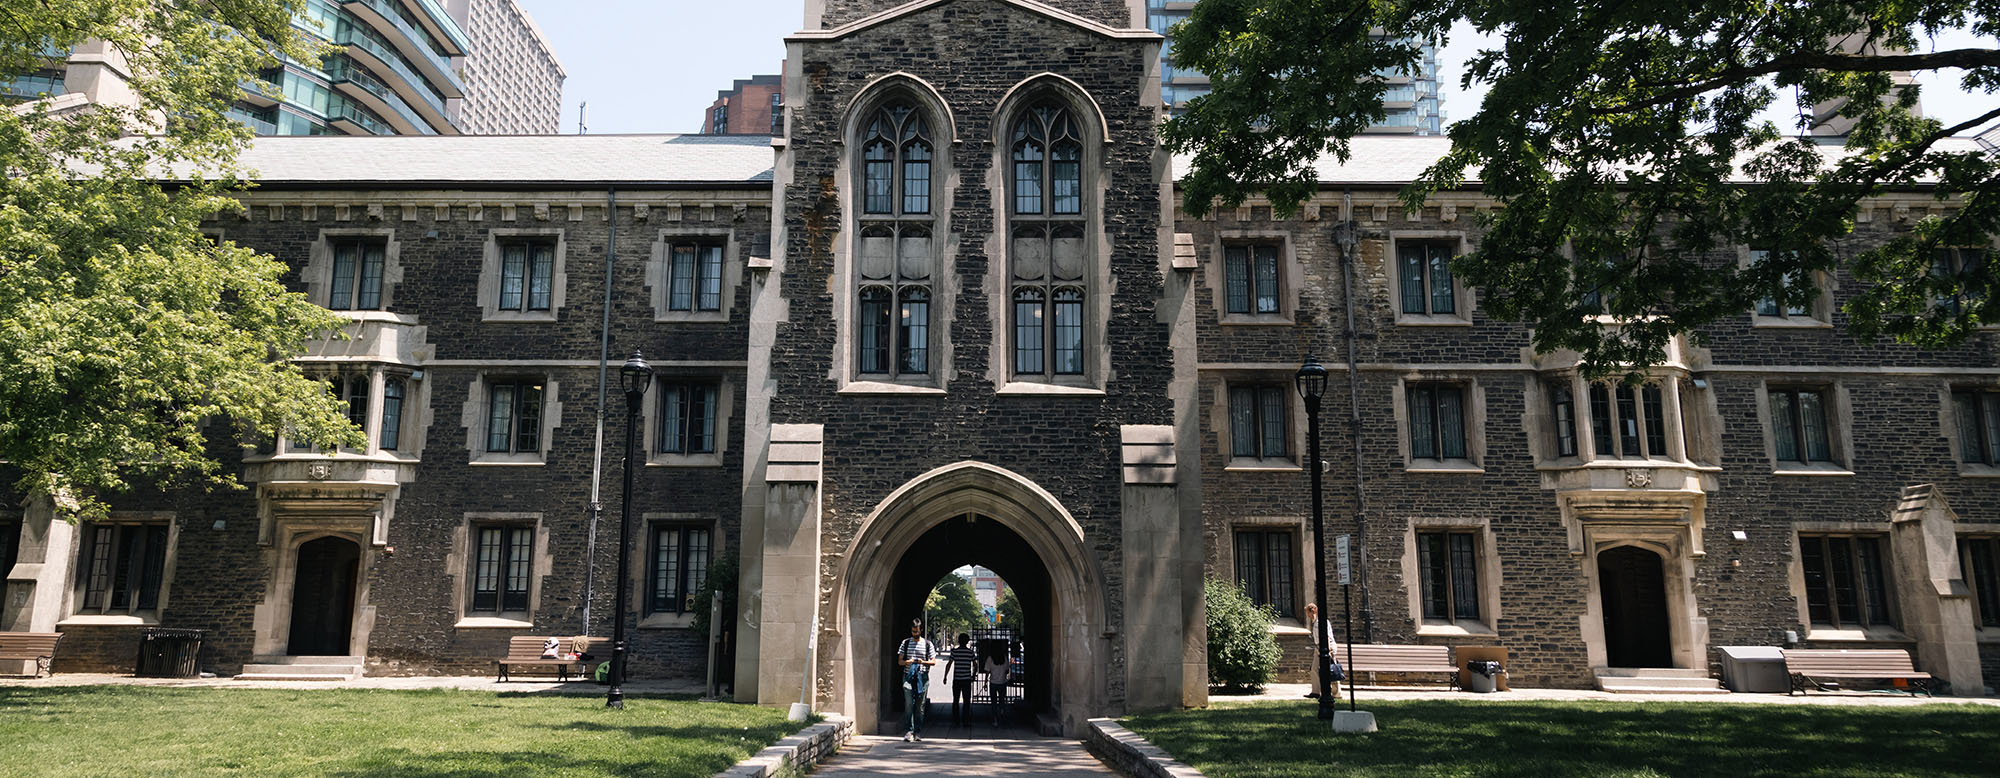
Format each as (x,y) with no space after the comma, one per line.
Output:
(916,656)
(962,659)
(996,679)
(1332,651)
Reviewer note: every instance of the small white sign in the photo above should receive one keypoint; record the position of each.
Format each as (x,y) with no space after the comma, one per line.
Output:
(1340,559)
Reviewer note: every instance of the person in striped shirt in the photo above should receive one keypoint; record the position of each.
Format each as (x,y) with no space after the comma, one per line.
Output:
(916,656)
(962,658)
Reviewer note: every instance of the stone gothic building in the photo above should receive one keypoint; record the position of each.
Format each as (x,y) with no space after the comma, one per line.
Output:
(953,316)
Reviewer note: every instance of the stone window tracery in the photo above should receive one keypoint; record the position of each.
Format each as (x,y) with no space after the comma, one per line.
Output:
(1048,278)
(894,267)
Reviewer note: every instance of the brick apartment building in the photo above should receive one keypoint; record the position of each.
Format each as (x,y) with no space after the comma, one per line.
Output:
(957,319)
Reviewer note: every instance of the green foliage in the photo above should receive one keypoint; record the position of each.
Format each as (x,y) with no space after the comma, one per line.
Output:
(1241,651)
(951,607)
(720,582)
(1008,611)
(126,331)
(1629,147)
(372,732)
(1493,738)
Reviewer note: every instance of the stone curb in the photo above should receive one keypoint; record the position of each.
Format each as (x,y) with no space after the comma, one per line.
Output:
(1131,754)
(796,755)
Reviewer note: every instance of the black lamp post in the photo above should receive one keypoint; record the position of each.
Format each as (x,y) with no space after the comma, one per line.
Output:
(1311,380)
(635,375)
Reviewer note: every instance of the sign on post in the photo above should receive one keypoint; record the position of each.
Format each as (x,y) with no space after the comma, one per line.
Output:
(1340,559)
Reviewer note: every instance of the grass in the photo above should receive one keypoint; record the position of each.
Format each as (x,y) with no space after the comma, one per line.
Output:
(127,731)
(1554,739)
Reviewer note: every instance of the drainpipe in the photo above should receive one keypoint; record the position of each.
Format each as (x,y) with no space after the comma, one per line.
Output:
(603,359)
(1348,241)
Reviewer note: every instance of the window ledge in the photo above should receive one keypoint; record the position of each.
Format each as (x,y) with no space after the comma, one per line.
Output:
(667,621)
(1459,466)
(1033,388)
(518,316)
(1286,625)
(685,460)
(1250,465)
(108,620)
(886,387)
(1976,470)
(1795,468)
(1431,320)
(691,316)
(1987,634)
(1863,635)
(493,622)
(1255,320)
(1789,322)
(381,316)
(387,458)
(1453,629)
(506,460)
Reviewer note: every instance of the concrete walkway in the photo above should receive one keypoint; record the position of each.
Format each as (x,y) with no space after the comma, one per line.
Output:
(973,752)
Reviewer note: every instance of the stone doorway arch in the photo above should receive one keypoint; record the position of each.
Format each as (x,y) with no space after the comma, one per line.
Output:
(1076,657)
(1632,585)
(325,580)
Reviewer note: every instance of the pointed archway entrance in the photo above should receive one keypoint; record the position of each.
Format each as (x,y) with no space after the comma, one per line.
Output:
(1633,585)
(970,512)
(323,592)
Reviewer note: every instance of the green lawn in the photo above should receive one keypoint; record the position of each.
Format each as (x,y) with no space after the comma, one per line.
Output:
(138,731)
(1545,739)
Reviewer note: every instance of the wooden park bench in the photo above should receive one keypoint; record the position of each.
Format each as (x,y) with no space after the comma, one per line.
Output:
(39,647)
(526,651)
(1823,669)
(1380,658)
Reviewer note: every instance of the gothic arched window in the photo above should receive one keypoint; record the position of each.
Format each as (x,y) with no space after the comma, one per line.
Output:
(1048,276)
(893,268)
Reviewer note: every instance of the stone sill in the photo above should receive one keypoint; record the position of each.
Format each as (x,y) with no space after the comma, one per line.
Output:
(1454,629)
(1978,471)
(687,317)
(1029,388)
(536,462)
(685,460)
(1248,465)
(885,387)
(517,317)
(1255,320)
(1459,467)
(492,622)
(667,621)
(378,316)
(1833,470)
(1863,635)
(1431,320)
(386,459)
(108,620)
(1574,463)
(1788,322)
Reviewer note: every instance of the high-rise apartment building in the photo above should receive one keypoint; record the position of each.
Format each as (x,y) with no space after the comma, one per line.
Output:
(401,67)
(751,106)
(1413,101)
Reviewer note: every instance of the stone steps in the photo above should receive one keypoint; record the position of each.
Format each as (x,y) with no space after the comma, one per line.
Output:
(302,668)
(1656,680)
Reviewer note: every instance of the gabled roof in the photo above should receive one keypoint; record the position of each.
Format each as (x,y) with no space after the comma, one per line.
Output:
(1047,11)
(492,160)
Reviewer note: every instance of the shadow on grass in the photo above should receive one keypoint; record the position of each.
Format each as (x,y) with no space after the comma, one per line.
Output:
(1585,739)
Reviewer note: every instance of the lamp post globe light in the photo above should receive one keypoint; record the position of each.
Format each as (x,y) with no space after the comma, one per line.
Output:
(634,376)
(1311,380)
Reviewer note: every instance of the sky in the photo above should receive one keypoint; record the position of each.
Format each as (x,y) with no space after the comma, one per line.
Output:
(655,65)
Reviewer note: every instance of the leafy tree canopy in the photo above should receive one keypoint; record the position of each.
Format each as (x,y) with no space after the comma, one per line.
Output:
(1008,612)
(951,607)
(124,330)
(1629,144)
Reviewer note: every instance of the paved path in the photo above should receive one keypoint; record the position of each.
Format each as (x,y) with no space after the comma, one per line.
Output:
(974,752)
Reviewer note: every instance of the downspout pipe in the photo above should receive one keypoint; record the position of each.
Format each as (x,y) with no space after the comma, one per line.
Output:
(603,362)
(1348,241)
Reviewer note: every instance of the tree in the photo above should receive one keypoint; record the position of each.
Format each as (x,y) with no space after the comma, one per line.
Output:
(952,608)
(124,330)
(1630,147)
(1008,612)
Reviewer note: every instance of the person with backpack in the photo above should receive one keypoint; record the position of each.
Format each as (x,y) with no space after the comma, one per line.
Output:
(916,656)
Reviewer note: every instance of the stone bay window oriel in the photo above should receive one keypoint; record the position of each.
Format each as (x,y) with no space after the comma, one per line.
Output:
(895,268)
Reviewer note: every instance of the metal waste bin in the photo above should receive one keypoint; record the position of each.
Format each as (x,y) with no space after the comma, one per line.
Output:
(169,653)
(1759,669)
(1484,675)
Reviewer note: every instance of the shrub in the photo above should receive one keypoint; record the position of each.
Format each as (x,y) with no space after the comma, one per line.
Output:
(721,581)
(1241,651)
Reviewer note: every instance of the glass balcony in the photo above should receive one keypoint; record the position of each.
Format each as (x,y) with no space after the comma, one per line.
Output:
(389,19)
(377,95)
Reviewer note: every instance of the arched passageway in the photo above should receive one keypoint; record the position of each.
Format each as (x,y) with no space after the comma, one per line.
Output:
(970,512)
(963,540)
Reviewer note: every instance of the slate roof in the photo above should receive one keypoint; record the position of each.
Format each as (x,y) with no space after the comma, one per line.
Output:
(471,160)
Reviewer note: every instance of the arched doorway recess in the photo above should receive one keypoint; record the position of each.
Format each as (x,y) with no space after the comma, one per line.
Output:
(896,552)
(323,595)
(1632,581)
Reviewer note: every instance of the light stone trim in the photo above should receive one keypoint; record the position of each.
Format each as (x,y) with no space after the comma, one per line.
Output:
(317,275)
(1489,573)
(1473,396)
(1149,457)
(725,409)
(488,291)
(1291,275)
(659,267)
(474,417)
(459,560)
(1392,268)
(73,590)
(271,619)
